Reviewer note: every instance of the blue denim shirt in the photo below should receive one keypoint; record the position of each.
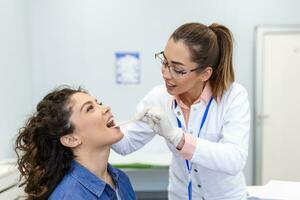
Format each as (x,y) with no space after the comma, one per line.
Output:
(81,184)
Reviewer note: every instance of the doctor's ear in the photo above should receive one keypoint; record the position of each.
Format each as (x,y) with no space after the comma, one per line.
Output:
(206,74)
(70,141)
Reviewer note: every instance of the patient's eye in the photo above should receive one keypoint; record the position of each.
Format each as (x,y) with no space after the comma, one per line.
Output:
(99,103)
(90,107)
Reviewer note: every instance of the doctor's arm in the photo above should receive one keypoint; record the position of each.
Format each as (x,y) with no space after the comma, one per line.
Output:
(136,135)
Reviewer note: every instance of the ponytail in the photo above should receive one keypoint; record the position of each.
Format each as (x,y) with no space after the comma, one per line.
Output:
(223,74)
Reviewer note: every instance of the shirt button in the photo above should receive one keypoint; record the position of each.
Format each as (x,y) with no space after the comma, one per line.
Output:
(194,109)
(178,113)
(199,186)
(195,170)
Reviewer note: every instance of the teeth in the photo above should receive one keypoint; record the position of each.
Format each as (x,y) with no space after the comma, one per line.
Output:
(110,124)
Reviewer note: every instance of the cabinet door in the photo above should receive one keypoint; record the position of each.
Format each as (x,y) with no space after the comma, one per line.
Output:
(278,116)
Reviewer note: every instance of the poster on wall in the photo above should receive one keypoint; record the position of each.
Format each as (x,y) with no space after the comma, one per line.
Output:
(128,68)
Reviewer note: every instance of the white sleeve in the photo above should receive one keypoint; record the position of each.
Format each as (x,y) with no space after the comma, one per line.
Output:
(137,134)
(229,155)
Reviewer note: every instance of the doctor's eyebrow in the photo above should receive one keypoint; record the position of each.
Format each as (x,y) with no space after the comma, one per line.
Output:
(174,62)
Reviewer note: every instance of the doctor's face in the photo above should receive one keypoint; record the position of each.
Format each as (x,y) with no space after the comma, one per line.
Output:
(177,55)
(93,122)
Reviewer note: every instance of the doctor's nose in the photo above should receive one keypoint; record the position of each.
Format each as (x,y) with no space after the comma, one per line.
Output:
(166,73)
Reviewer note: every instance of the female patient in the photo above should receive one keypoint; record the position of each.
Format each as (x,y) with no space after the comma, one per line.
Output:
(64,147)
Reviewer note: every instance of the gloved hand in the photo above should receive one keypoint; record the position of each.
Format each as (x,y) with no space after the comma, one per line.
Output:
(157,119)
(143,116)
(139,116)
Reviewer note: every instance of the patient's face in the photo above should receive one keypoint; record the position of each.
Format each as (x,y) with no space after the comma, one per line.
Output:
(93,122)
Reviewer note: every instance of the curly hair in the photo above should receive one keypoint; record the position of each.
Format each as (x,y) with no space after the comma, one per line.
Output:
(42,159)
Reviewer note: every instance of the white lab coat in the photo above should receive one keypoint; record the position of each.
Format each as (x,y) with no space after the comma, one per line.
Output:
(221,151)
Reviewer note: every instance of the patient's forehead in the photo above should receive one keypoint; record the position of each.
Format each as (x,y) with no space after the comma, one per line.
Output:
(78,99)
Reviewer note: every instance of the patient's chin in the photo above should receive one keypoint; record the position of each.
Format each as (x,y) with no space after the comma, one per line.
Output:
(119,135)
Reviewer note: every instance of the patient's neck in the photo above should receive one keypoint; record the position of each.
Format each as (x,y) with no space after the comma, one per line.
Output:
(94,160)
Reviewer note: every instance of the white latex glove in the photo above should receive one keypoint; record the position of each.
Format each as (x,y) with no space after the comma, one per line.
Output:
(143,116)
(159,122)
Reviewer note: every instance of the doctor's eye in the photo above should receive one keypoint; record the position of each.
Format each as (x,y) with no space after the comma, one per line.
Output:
(178,71)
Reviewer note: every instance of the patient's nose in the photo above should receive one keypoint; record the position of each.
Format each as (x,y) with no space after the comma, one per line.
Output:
(106,109)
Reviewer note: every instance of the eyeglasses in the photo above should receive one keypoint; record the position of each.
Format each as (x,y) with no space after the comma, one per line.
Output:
(176,72)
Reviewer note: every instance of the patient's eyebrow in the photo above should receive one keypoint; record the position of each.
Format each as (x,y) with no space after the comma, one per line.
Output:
(86,103)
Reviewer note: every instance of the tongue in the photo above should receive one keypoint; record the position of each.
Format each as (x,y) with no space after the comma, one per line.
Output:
(110,124)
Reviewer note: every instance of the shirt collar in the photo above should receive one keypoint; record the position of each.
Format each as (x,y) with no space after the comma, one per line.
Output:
(205,96)
(89,180)
(113,172)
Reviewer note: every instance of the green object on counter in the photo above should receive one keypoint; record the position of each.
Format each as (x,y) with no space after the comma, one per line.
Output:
(139,166)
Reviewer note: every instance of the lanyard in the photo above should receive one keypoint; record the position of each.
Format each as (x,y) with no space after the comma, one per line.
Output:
(188,164)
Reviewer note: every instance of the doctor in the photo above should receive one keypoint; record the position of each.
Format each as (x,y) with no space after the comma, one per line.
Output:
(201,112)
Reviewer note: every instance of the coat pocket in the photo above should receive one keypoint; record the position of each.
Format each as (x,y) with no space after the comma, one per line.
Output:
(212,136)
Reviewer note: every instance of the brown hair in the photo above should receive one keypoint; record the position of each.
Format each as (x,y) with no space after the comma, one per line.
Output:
(42,159)
(210,46)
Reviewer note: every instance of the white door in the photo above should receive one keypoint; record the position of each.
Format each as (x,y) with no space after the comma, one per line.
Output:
(278,105)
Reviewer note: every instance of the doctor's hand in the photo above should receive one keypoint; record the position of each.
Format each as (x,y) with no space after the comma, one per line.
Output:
(157,119)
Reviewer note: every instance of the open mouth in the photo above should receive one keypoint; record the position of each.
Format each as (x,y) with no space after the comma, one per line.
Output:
(110,123)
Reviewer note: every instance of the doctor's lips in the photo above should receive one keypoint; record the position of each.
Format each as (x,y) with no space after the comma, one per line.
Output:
(170,84)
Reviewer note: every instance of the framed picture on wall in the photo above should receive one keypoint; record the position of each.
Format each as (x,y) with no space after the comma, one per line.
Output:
(128,68)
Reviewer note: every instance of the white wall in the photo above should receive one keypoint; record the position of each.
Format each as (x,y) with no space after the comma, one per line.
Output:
(73,42)
(15,72)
